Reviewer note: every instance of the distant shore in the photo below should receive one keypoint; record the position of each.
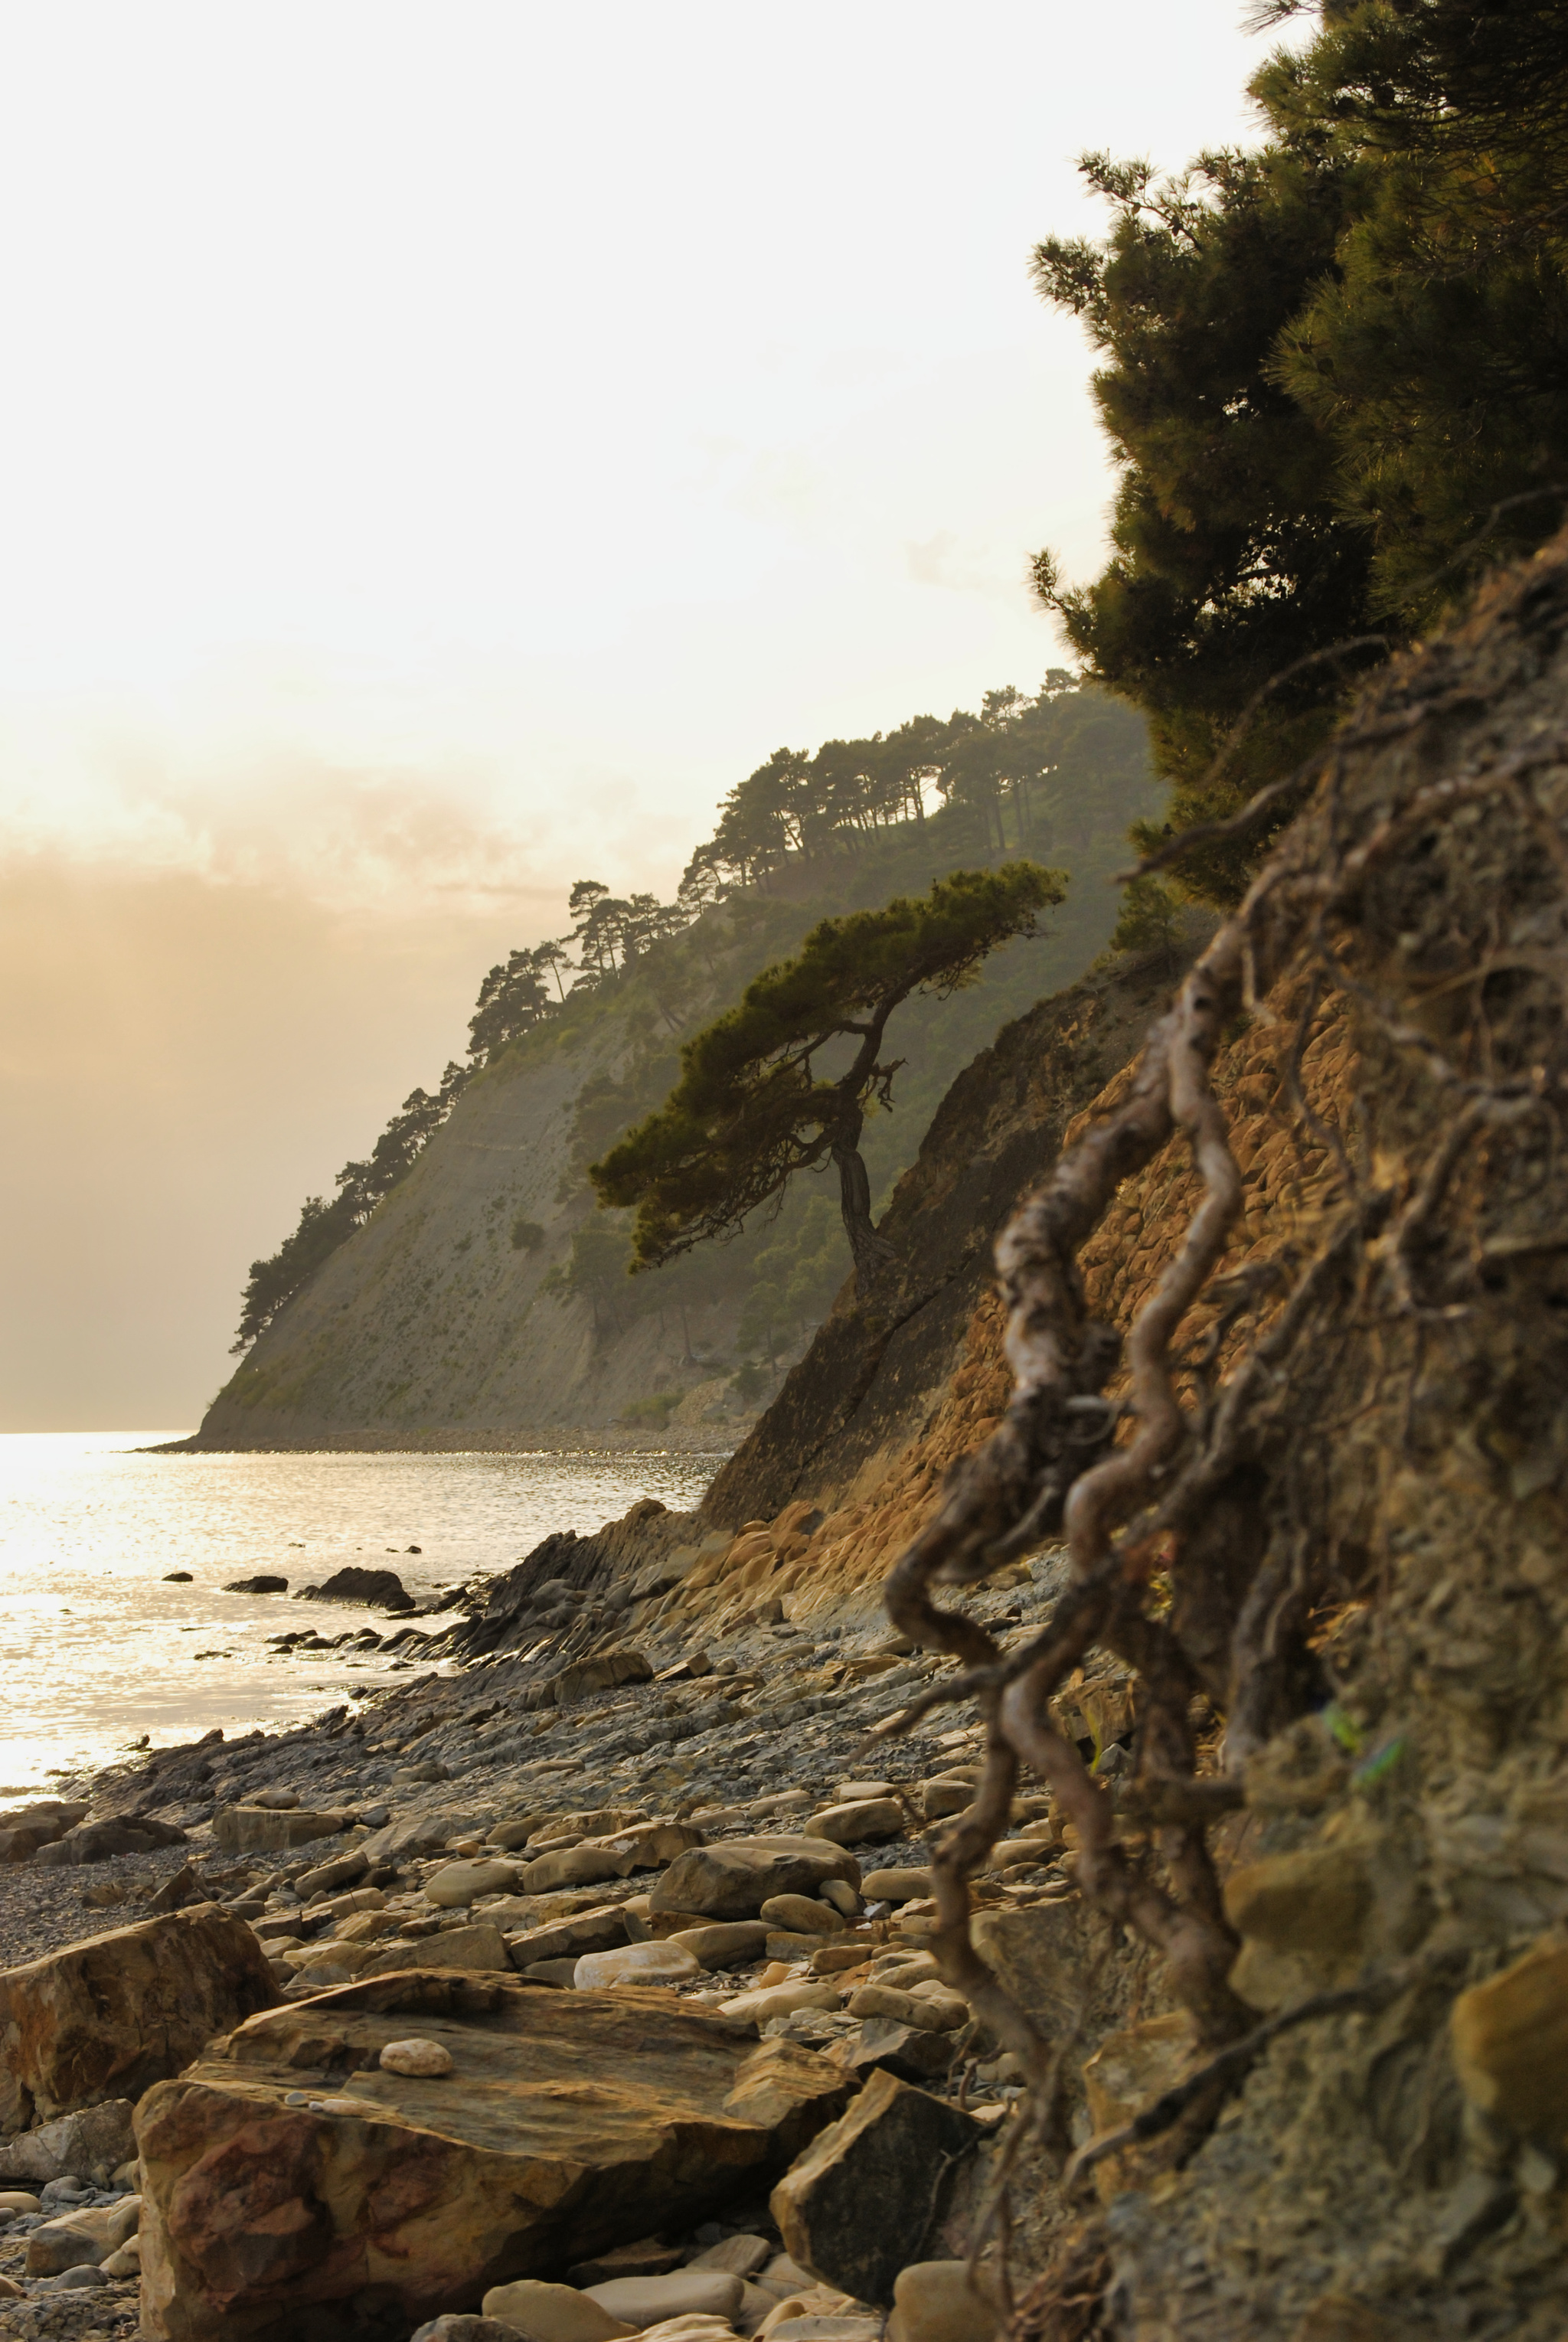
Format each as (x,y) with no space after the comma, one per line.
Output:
(610,1439)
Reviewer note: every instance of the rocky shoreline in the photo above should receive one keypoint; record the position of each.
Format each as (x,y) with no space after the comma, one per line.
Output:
(590,1853)
(464,1439)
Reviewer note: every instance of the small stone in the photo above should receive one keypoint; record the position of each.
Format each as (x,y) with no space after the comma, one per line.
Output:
(1510,2038)
(834,1954)
(741,2255)
(780,2000)
(575,1866)
(826,2328)
(636,1964)
(458,1884)
(692,2328)
(909,2008)
(723,1945)
(264,1584)
(865,1822)
(456,2327)
(933,2301)
(802,1914)
(895,1886)
(83,2279)
(16,2200)
(1132,2068)
(842,1896)
(859,1793)
(553,2313)
(649,2257)
(644,2301)
(915,2052)
(942,1797)
(1009,1852)
(782,1946)
(417,2057)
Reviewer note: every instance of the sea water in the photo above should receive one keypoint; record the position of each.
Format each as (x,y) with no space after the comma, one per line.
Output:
(98,1649)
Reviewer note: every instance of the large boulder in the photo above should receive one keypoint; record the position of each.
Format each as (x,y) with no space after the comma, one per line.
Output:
(28,1827)
(734,1879)
(101,1841)
(89,2144)
(104,2018)
(871,2191)
(603,1671)
(291,2185)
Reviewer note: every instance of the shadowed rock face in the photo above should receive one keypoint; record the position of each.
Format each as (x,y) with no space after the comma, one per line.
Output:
(877,1366)
(569,2120)
(104,2018)
(380,1589)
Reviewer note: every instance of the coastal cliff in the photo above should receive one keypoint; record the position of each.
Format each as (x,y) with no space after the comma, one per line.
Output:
(484,1302)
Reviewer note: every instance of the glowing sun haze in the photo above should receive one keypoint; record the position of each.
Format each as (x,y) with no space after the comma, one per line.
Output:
(441,450)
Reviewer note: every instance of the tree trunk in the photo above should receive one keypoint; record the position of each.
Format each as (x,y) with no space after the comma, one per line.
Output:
(870,1250)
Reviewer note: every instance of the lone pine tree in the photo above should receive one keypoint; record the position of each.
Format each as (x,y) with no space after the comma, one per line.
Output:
(751,1109)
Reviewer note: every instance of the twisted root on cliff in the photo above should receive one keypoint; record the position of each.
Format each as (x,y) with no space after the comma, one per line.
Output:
(1144,1520)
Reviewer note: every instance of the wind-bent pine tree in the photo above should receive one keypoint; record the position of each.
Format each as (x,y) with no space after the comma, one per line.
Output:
(750,1110)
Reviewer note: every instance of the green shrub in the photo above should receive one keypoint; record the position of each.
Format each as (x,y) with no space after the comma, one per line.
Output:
(656,1409)
(527,1235)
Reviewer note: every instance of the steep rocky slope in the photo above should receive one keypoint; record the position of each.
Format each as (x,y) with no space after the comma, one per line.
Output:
(455,1317)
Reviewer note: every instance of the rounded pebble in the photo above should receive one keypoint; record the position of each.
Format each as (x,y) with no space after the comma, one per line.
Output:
(426,2059)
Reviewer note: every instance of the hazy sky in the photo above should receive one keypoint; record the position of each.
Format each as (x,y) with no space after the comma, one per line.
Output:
(442,449)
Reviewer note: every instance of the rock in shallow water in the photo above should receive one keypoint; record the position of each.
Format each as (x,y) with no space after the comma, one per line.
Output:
(568,2123)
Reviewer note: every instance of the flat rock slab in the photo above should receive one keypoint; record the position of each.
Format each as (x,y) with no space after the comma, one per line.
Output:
(481,1947)
(104,2018)
(569,2121)
(870,2190)
(263,1829)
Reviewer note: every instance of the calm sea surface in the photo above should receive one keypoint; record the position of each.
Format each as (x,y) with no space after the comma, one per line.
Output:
(96,1649)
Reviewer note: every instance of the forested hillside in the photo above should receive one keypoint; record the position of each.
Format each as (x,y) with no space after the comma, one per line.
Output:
(480,1188)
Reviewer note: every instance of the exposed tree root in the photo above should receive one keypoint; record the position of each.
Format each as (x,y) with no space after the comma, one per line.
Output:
(1140,1486)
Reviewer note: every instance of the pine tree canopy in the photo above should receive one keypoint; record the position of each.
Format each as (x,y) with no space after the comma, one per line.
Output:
(752,1107)
(1335,379)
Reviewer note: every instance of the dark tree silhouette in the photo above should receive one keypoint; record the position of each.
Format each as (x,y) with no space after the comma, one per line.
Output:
(751,1109)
